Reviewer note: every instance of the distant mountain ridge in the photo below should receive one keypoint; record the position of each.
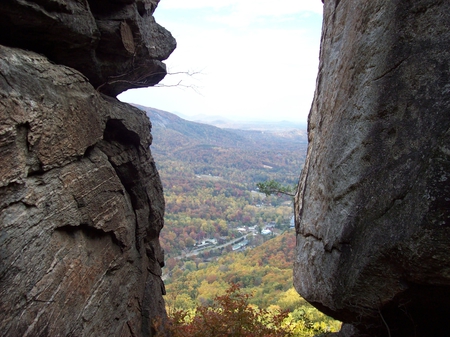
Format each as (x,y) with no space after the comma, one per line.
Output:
(169,128)
(166,124)
(249,125)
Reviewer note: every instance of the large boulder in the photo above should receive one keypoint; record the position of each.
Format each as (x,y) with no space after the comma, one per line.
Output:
(81,207)
(116,44)
(373,207)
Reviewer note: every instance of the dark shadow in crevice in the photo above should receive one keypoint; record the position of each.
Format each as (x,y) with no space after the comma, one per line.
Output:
(419,311)
(119,140)
(116,131)
(91,233)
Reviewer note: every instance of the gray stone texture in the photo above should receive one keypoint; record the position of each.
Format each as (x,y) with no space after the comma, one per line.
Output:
(81,202)
(81,207)
(115,43)
(373,207)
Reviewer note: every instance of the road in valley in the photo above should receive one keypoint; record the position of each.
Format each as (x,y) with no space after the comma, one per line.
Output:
(208,249)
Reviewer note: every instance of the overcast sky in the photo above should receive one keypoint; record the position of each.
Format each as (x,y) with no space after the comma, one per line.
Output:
(255,60)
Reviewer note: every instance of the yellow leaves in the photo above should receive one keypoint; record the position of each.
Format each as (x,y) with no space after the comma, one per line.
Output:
(290,300)
(308,321)
(270,284)
(208,291)
(229,315)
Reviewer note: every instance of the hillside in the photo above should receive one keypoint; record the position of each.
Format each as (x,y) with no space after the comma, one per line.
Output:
(264,272)
(256,155)
(209,177)
(172,132)
(218,227)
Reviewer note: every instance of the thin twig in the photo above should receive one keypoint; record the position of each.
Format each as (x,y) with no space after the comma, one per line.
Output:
(387,326)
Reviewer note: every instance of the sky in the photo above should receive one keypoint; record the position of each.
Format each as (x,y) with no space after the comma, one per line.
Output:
(239,59)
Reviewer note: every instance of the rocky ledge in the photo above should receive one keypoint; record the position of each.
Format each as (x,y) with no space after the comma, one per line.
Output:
(81,201)
(116,44)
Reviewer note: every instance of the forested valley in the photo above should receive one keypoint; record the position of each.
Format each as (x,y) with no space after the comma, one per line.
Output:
(220,230)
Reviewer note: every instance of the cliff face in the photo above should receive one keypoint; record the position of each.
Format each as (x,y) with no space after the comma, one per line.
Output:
(372,212)
(116,44)
(81,202)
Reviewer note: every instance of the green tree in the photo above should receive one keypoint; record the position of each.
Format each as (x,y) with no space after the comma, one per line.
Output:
(274,187)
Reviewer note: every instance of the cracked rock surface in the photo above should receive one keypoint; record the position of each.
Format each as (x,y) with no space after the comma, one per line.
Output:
(116,44)
(373,207)
(81,207)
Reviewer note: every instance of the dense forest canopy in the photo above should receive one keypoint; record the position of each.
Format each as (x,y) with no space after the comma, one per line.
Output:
(210,178)
(221,230)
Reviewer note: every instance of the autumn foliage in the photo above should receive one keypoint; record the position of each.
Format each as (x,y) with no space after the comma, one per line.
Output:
(229,315)
(264,272)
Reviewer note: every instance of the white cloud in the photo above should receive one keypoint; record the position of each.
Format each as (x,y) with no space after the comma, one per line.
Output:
(259,6)
(241,13)
(194,4)
(266,73)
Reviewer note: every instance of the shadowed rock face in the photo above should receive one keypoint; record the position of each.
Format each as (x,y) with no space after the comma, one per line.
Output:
(81,207)
(81,202)
(373,208)
(115,43)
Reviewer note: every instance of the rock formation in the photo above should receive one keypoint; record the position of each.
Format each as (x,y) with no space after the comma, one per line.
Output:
(81,202)
(373,207)
(116,44)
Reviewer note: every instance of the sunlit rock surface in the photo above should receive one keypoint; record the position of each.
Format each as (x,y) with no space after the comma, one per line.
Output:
(81,201)
(373,206)
(81,207)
